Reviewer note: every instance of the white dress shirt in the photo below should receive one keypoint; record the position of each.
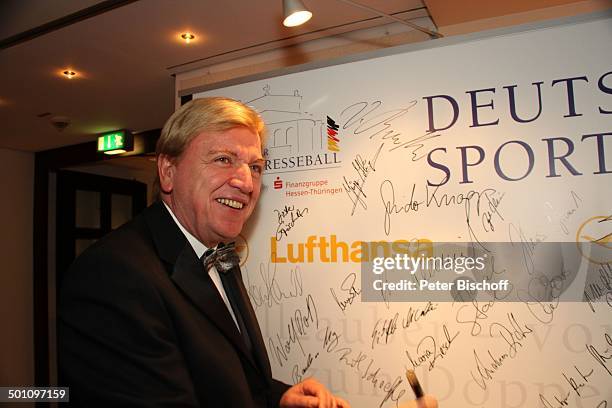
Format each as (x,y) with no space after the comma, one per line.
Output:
(199,249)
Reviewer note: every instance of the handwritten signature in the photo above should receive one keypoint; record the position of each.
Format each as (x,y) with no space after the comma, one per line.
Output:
(513,335)
(366,119)
(287,217)
(387,195)
(354,187)
(485,206)
(385,328)
(366,368)
(417,144)
(298,326)
(473,313)
(602,357)
(578,384)
(565,218)
(527,245)
(600,287)
(560,401)
(350,291)
(542,295)
(428,351)
(272,292)
(297,373)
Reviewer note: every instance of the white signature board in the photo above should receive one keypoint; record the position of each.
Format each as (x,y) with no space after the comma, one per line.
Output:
(504,139)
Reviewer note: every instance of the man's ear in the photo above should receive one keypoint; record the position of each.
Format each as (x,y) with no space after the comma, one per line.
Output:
(166,168)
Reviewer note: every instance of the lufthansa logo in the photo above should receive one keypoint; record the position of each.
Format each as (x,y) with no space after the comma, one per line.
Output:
(594,239)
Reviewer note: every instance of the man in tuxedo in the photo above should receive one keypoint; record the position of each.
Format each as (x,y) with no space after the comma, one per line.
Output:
(145,319)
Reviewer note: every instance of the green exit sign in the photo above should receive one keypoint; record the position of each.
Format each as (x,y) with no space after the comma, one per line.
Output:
(116,142)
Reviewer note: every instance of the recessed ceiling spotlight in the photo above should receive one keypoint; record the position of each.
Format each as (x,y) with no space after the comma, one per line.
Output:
(188,37)
(69,73)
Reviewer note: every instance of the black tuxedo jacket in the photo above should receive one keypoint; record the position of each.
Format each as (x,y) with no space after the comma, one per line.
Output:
(141,324)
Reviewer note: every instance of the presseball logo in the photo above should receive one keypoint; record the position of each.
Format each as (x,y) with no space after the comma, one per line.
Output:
(297,140)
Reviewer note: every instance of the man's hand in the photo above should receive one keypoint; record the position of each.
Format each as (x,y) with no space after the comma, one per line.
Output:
(426,401)
(311,394)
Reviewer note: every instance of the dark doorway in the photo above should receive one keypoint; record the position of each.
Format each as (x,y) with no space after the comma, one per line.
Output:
(88,207)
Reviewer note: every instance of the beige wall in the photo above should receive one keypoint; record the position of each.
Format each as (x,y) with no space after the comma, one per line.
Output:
(16,309)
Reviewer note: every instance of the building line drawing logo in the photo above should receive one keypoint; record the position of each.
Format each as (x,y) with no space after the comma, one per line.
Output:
(297,140)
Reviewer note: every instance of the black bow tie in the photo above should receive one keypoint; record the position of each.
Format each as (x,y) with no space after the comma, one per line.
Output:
(224,258)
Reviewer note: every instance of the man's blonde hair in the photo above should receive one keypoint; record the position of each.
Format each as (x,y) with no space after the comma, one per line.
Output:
(213,114)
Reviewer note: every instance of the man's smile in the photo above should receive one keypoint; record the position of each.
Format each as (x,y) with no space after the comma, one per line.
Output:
(230,203)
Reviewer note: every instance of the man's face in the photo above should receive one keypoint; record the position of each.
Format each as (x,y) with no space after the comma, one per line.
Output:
(214,185)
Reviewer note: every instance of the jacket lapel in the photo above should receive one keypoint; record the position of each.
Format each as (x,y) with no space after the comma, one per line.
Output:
(188,274)
(259,349)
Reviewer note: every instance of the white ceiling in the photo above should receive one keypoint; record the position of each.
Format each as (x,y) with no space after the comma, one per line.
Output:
(124,54)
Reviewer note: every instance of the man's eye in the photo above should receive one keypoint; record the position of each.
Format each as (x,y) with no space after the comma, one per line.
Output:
(223,159)
(257,168)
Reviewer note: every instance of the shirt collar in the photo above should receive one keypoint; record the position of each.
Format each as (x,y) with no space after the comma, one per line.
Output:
(197,246)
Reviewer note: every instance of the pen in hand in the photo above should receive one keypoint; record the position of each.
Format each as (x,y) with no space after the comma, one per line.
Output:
(422,400)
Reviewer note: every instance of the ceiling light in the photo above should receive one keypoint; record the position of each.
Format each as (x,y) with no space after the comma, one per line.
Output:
(69,73)
(188,37)
(295,13)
